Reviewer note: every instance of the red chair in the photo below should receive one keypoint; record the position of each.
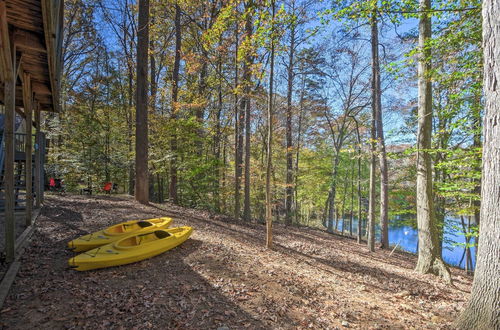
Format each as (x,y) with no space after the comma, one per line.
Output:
(107,187)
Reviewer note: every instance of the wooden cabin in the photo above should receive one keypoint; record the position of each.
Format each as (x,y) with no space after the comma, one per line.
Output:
(30,73)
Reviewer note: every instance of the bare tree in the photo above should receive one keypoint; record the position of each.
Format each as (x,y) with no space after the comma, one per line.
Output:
(125,30)
(348,75)
(299,17)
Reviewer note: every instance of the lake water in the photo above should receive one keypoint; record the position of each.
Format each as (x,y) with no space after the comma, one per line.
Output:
(407,237)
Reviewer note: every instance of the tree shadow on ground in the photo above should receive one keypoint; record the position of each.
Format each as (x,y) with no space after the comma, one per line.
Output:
(161,292)
(382,280)
(63,218)
(317,237)
(165,270)
(323,238)
(320,239)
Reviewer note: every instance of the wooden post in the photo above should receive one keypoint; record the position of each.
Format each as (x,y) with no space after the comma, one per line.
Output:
(9,100)
(10,104)
(28,108)
(38,181)
(42,165)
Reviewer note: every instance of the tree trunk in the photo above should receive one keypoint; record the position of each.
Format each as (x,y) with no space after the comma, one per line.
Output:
(477,143)
(359,184)
(429,259)
(465,231)
(217,138)
(326,210)
(467,245)
(269,165)
(337,219)
(158,187)
(332,192)
(130,139)
(352,199)
(373,136)
(483,310)
(152,78)
(371,204)
(289,142)
(200,110)
(297,152)
(247,76)
(344,197)
(141,128)
(238,135)
(175,106)
(223,179)
(377,96)
(440,174)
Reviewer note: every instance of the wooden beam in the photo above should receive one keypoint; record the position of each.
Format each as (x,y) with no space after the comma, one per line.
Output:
(40,89)
(9,116)
(19,69)
(28,107)
(52,13)
(7,281)
(5,47)
(38,159)
(26,40)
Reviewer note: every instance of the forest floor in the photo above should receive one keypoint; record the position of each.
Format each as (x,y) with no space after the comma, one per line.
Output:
(222,277)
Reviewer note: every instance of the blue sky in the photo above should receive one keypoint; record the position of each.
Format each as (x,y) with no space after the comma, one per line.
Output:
(402,90)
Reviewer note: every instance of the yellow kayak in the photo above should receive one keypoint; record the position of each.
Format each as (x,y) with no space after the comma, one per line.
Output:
(114,233)
(131,249)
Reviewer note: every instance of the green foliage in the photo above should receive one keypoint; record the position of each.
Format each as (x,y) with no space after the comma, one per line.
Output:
(92,140)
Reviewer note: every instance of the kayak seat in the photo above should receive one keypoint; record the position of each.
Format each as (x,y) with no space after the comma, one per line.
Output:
(161,234)
(144,224)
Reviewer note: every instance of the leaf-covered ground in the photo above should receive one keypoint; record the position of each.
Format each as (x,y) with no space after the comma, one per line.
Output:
(222,277)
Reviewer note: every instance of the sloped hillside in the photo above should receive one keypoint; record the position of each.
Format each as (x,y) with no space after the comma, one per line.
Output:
(222,277)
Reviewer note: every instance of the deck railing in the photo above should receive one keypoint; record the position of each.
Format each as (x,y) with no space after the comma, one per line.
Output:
(20,154)
(19,142)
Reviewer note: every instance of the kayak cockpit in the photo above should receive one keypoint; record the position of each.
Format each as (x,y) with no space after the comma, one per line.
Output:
(138,240)
(128,227)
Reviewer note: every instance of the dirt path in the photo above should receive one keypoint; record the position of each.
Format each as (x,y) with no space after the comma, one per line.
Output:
(221,277)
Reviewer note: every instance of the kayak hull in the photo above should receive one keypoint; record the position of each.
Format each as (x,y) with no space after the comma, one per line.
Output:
(123,252)
(116,232)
